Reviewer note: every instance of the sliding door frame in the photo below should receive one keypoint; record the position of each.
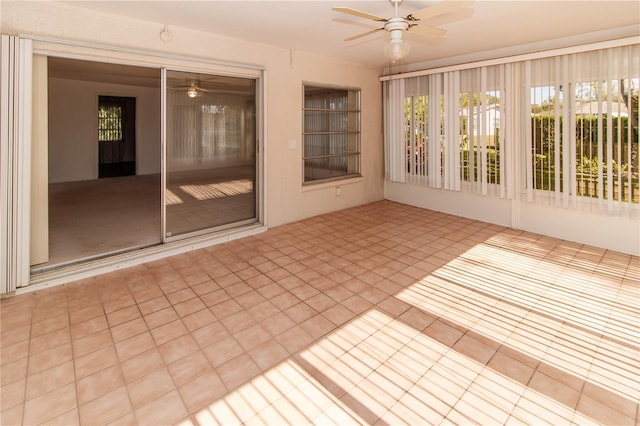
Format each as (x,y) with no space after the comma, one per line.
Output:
(259,176)
(18,274)
(163,155)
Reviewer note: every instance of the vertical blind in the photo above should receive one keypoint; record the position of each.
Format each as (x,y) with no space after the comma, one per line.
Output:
(451,129)
(15,141)
(209,128)
(394,130)
(567,124)
(584,129)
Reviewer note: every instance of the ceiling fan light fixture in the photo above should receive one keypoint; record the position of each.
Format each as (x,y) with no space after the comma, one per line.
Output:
(397,25)
(192,93)
(397,47)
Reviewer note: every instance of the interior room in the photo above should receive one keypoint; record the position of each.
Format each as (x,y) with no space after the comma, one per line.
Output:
(105,193)
(320,212)
(93,211)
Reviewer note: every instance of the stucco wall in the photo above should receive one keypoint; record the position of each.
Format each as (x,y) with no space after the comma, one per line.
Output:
(586,226)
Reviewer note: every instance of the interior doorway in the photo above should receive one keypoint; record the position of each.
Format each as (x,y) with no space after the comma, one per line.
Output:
(116,136)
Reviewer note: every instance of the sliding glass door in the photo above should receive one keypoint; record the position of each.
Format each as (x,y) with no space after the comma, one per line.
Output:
(210,152)
(189,164)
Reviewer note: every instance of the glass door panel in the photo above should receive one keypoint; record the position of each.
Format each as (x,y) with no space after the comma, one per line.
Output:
(210,152)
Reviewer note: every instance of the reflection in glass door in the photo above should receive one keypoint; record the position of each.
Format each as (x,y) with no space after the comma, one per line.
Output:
(210,152)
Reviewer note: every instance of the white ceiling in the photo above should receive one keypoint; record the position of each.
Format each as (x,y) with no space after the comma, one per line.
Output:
(312,26)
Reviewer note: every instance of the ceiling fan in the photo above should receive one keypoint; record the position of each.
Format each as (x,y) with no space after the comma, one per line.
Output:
(397,25)
(193,89)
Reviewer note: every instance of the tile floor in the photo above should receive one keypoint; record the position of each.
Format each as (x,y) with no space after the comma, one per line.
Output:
(382,314)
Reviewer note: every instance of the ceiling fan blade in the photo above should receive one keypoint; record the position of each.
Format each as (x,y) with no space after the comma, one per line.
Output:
(363,34)
(198,89)
(359,13)
(441,8)
(427,30)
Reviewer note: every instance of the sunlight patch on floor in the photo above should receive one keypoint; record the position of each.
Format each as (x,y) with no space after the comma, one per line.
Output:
(211,191)
(559,327)
(377,367)
(286,394)
(170,198)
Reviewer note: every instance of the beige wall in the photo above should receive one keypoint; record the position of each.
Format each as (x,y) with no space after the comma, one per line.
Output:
(619,233)
(286,71)
(73,139)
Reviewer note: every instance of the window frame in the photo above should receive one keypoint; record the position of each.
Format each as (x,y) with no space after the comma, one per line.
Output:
(351,133)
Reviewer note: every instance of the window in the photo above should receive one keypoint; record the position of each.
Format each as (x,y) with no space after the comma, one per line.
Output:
(116,136)
(563,128)
(417,135)
(453,129)
(331,134)
(479,110)
(109,122)
(584,125)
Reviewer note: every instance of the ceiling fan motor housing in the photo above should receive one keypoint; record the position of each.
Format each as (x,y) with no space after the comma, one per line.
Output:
(396,24)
